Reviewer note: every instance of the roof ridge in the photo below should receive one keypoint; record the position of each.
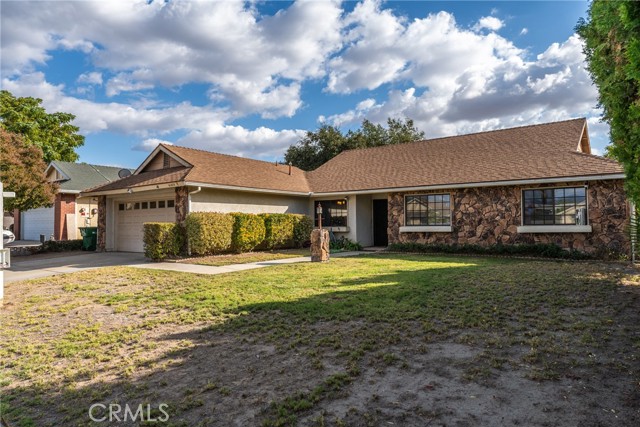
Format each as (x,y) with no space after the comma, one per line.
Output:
(227,155)
(465,134)
(596,156)
(89,164)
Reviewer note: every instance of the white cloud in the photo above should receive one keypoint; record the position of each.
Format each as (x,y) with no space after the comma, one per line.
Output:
(205,126)
(489,22)
(92,78)
(524,31)
(255,63)
(150,143)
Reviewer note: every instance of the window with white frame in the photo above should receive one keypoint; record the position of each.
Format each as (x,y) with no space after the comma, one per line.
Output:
(427,209)
(334,213)
(554,206)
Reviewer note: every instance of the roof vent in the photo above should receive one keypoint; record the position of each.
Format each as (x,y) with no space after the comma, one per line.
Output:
(123,173)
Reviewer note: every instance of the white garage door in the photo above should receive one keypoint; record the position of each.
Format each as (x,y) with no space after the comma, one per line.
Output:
(130,216)
(36,222)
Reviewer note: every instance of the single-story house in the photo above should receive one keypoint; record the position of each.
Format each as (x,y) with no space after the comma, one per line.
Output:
(69,211)
(528,184)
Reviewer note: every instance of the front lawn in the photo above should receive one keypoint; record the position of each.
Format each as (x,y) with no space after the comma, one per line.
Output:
(371,340)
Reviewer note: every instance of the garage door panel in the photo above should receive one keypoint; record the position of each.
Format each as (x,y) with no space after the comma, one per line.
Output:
(129,225)
(36,222)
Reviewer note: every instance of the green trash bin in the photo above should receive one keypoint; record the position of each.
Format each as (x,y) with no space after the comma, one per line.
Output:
(89,238)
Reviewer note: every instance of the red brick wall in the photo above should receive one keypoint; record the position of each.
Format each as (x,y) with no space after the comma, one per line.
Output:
(63,205)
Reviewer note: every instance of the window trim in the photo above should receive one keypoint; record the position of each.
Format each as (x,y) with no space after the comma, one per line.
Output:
(554,228)
(427,228)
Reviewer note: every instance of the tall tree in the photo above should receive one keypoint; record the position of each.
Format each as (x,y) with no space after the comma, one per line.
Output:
(22,170)
(318,147)
(53,133)
(612,47)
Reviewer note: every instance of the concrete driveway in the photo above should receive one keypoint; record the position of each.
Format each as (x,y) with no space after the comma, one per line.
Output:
(35,266)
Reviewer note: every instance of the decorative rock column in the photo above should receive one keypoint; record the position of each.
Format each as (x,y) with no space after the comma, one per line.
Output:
(320,245)
(102,224)
(182,204)
(182,209)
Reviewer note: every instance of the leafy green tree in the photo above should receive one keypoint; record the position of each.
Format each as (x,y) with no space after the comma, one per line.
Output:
(318,147)
(612,47)
(53,133)
(22,170)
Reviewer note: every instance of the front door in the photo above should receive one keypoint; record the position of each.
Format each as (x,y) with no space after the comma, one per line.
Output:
(380,237)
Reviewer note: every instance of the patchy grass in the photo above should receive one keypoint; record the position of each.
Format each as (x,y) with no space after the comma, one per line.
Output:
(244,258)
(369,340)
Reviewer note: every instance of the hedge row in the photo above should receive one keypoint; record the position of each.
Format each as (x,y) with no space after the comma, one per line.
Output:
(534,250)
(211,233)
(162,240)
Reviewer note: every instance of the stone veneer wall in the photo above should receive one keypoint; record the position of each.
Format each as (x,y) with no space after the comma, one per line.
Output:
(101,243)
(490,215)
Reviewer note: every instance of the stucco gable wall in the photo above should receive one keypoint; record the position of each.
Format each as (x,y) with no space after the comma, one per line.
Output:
(491,215)
(212,200)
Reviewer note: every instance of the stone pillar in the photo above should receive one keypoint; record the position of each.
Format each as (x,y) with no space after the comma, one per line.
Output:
(182,204)
(102,224)
(320,245)
(182,209)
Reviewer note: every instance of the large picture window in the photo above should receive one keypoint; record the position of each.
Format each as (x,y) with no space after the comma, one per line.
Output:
(428,209)
(555,206)
(334,213)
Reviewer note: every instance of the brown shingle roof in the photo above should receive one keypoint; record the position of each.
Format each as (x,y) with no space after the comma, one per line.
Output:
(223,169)
(160,176)
(528,152)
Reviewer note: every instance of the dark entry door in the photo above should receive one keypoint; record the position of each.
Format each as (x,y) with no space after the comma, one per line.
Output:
(380,223)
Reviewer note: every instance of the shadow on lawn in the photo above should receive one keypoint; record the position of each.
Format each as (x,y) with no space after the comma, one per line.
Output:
(229,373)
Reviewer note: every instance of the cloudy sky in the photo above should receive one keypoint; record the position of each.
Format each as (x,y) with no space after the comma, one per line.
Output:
(249,78)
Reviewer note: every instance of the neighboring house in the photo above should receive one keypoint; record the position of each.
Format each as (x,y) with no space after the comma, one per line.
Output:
(523,185)
(69,210)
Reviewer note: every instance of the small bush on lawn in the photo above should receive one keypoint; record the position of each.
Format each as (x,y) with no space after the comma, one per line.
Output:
(162,240)
(248,232)
(209,232)
(342,244)
(302,231)
(279,230)
(540,250)
(61,245)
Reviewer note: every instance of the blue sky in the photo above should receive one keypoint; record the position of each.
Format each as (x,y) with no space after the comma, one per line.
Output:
(249,78)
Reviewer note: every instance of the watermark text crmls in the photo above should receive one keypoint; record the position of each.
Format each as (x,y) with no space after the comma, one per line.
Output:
(114,412)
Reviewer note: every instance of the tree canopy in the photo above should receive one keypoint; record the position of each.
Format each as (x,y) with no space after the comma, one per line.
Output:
(318,147)
(612,47)
(22,170)
(53,133)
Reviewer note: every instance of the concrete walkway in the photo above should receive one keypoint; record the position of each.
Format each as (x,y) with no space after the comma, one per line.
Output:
(207,269)
(36,266)
(43,265)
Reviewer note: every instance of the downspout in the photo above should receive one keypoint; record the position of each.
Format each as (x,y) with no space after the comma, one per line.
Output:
(188,212)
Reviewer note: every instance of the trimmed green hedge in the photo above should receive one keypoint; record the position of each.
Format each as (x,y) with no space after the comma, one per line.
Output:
(535,250)
(302,230)
(61,245)
(248,232)
(162,240)
(209,232)
(279,230)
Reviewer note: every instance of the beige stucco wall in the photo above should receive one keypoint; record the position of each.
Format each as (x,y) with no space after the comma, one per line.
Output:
(213,200)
